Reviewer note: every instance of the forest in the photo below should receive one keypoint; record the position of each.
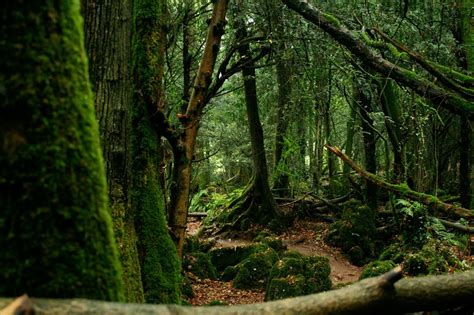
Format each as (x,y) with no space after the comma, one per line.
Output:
(236,157)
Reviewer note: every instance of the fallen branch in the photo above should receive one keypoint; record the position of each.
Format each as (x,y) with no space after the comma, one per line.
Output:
(447,98)
(457,226)
(402,190)
(382,295)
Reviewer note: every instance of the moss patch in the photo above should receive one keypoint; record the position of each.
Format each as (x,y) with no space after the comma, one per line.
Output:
(355,231)
(57,238)
(297,275)
(377,268)
(200,265)
(254,270)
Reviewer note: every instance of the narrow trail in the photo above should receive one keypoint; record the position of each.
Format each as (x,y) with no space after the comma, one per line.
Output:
(307,238)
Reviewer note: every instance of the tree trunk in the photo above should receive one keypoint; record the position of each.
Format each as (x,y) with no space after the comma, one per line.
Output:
(284,103)
(184,149)
(466,38)
(56,235)
(393,124)
(260,191)
(386,294)
(363,100)
(108,36)
(160,266)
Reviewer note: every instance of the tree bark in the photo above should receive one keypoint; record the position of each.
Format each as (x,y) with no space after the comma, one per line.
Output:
(446,98)
(184,150)
(56,234)
(382,295)
(160,266)
(363,100)
(260,190)
(108,36)
(403,190)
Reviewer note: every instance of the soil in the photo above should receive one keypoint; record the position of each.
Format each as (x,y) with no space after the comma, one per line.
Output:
(305,237)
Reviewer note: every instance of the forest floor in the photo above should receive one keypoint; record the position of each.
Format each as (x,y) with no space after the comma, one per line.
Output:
(305,236)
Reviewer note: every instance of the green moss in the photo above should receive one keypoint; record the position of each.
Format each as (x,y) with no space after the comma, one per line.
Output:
(231,256)
(217,303)
(298,275)
(254,270)
(331,19)
(56,232)
(377,268)
(229,273)
(271,241)
(355,231)
(281,288)
(200,265)
(159,262)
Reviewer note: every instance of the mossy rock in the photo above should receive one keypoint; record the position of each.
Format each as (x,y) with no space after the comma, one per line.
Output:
(297,275)
(272,241)
(281,288)
(229,273)
(377,268)
(221,258)
(186,287)
(200,265)
(194,244)
(354,233)
(254,270)
(292,254)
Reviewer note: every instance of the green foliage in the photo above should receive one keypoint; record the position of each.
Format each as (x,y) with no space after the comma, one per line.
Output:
(426,247)
(377,268)
(56,234)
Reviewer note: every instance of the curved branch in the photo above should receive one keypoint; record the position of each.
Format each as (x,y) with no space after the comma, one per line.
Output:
(439,96)
(402,190)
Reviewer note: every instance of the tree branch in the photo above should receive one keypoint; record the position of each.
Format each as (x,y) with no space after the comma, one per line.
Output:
(382,295)
(402,190)
(448,99)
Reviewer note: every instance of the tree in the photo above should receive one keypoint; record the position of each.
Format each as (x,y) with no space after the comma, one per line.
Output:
(160,265)
(55,230)
(108,35)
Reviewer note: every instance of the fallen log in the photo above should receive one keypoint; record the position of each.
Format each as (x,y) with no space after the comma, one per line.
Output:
(457,226)
(403,190)
(386,294)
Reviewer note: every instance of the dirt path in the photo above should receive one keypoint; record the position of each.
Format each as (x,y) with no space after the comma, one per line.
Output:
(305,237)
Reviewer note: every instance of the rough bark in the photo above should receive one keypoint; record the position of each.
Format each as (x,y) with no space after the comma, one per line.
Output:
(393,124)
(260,191)
(108,36)
(56,234)
(382,295)
(403,189)
(466,38)
(184,149)
(423,87)
(160,266)
(284,102)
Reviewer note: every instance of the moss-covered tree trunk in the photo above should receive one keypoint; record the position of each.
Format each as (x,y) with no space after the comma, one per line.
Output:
(108,33)
(56,236)
(159,262)
(465,35)
(283,60)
